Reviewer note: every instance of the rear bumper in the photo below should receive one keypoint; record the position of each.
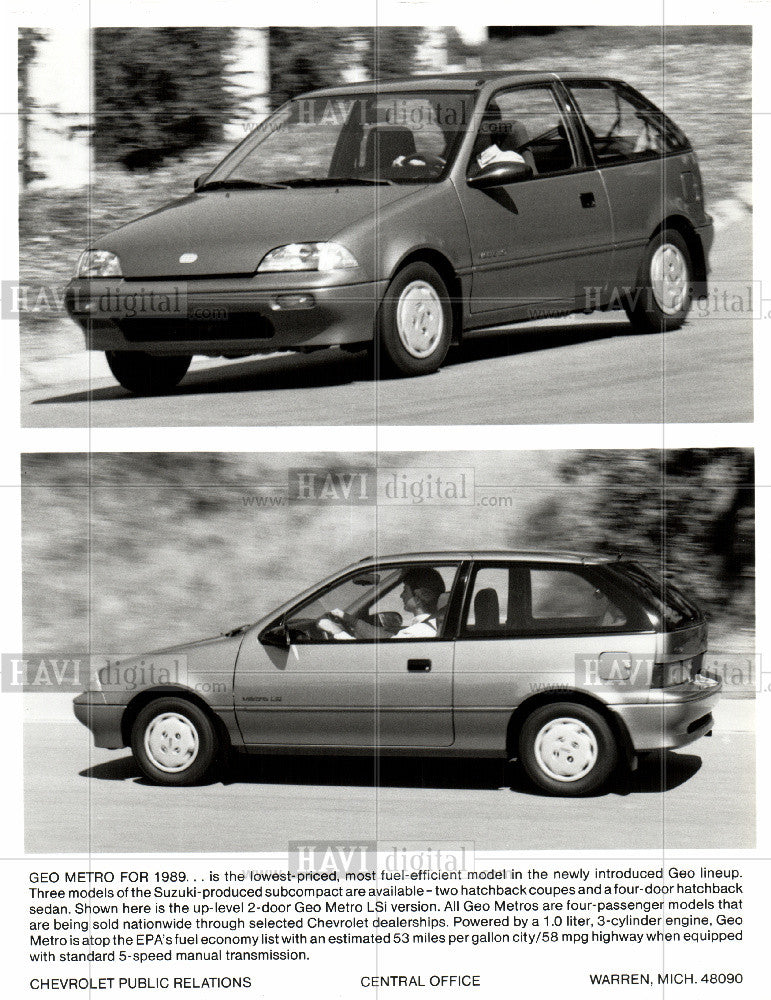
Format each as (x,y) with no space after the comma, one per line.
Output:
(103,720)
(232,316)
(672,717)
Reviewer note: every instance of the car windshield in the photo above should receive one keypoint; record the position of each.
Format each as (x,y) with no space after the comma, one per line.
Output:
(368,138)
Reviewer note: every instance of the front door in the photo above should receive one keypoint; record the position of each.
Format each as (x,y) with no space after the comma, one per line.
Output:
(536,244)
(365,689)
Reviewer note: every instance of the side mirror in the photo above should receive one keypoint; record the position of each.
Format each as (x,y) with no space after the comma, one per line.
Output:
(500,174)
(276,635)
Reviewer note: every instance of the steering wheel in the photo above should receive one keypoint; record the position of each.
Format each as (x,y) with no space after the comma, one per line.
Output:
(329,616)
(308,630)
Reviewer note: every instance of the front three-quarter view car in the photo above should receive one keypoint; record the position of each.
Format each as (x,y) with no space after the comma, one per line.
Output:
(403,217)
(574,665)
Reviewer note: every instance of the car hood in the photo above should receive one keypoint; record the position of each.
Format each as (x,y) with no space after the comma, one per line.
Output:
(230,232)
(203,661)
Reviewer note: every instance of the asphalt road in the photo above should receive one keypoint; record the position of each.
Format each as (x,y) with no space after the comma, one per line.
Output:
(80,799)
(584,370)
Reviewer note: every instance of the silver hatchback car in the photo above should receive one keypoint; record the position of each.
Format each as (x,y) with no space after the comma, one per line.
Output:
(573,664)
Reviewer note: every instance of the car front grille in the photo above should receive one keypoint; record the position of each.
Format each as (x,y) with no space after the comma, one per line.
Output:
(244,326)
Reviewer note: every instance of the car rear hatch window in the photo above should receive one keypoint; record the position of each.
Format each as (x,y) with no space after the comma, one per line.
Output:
(673,609)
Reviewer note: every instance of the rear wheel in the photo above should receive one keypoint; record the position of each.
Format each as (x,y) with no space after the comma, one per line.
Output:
(147,374)
(414,322)
(174,742)
(662,299)
(567,749)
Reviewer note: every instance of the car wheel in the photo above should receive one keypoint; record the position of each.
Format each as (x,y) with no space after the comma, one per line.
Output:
(662,299)
(414,323)
(147,374)
(174,742)
(567,749)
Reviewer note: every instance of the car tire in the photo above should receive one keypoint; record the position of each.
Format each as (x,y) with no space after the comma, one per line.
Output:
(147,374)
(174,742)
(414,326)
(567,749)
(662,298)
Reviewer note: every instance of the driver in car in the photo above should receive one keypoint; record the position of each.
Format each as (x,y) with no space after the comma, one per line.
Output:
(422,586)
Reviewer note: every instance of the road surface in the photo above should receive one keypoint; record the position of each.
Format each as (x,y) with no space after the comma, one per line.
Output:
(588,369)
(79,799)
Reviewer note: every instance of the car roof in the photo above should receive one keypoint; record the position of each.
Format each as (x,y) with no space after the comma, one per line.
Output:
(465,80)
(513,555)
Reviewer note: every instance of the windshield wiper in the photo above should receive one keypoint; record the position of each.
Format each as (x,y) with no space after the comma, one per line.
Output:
(236,183)
(331,181)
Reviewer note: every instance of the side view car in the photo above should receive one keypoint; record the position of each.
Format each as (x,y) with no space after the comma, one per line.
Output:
(572,664)
(402,217)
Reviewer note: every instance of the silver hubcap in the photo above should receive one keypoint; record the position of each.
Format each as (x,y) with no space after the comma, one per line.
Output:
(566,749)
(669,278)
(419,319)
(171,742)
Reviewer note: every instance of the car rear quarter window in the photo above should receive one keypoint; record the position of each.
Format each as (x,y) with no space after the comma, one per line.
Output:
(560,598)
(672,608)
(622,126)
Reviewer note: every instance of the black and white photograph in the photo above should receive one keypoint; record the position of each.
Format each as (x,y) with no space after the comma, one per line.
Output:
(424,654)
(385,468)
(275,226)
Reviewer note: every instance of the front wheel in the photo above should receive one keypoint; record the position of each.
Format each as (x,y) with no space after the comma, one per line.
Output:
(147,374)
(414,326)
(567,749)
(174,742)
(662,298)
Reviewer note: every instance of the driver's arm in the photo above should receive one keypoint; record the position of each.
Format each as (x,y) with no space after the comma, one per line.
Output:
(334,628)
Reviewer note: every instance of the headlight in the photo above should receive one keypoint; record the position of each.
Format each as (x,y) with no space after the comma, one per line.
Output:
(98,264)
(308,257)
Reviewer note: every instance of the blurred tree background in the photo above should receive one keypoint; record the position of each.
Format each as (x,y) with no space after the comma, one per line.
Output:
(688,514)
(160,90)
(135,551)
(29,38)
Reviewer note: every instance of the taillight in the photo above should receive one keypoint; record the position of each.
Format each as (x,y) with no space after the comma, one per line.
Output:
(670,674)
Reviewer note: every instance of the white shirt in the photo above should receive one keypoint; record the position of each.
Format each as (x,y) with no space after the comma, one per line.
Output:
(494,154)
(421,627)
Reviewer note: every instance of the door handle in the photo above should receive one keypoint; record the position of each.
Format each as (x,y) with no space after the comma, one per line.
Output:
(419,666)
(587,199)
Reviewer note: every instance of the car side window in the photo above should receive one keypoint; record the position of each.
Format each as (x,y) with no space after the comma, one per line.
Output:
(621,128)
(561,598)
(524,600)
(408,601)
(526,121)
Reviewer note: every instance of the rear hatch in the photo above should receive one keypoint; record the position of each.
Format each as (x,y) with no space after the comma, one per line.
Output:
(681,625)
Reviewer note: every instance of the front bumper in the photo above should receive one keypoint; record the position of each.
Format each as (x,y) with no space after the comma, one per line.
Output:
(672,717)
(234,316)
(102,719)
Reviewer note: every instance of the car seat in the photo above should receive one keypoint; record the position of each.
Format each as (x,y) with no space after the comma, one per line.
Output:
(384,144)
(487,612)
